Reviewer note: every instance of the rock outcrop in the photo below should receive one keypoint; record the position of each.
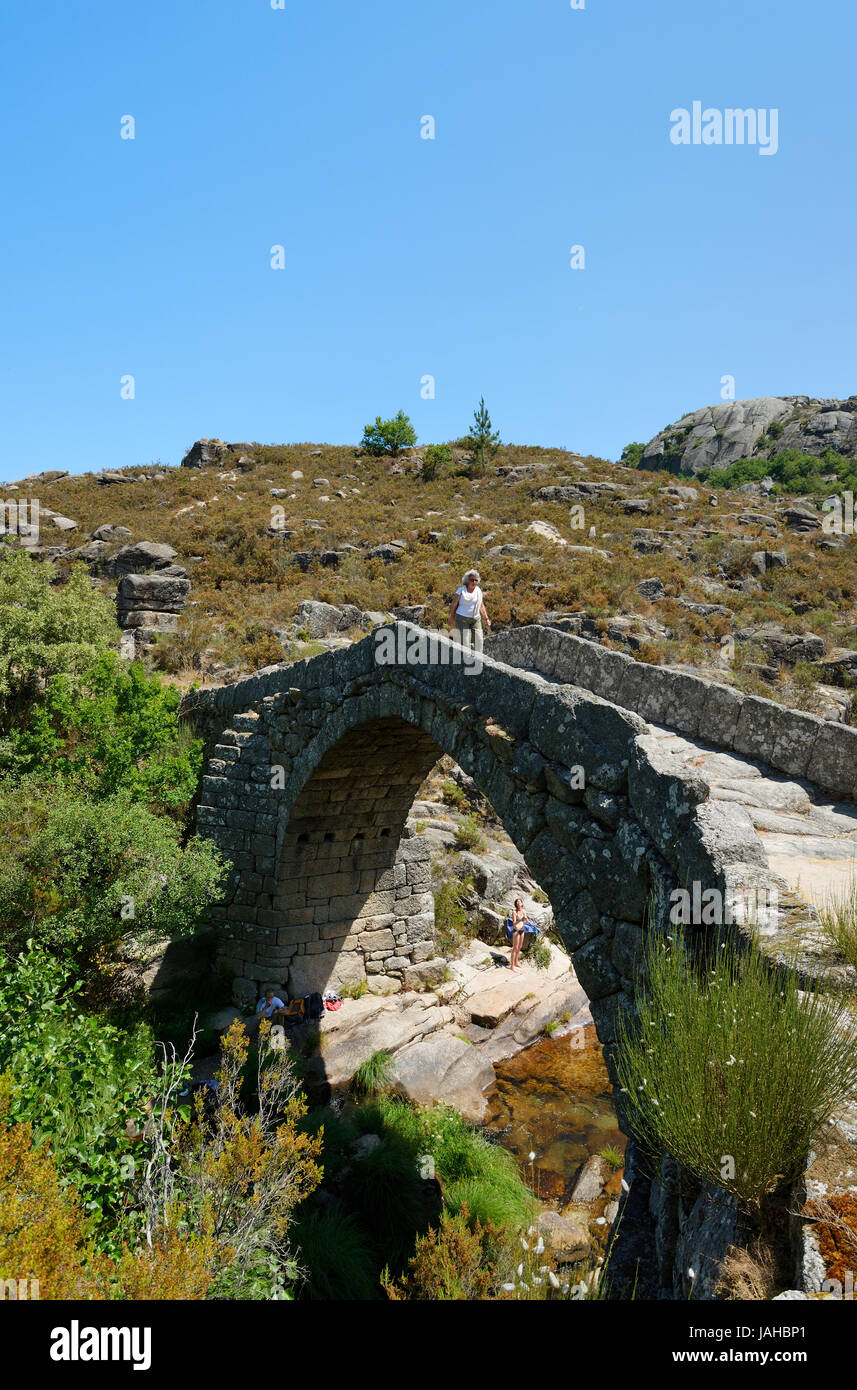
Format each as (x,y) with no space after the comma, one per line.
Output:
(147,604)
(719,435)
(216,453)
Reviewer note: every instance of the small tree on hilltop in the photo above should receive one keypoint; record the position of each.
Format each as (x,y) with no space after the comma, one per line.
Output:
(389,436)
(483,441)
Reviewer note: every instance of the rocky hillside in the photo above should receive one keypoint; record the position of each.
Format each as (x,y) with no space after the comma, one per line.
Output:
(719,435)
(250,554)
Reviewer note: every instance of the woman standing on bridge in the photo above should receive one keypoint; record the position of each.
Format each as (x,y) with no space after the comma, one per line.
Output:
(467,611)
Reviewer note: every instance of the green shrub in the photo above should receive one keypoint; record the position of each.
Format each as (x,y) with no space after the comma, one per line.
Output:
(339,1134)
(468,834)
(108,729)
(452,921)
(437,460)
(539,954)
(632,455)
(456,1261)
(732,1067)
(453,794)
(384,1191)
(791,469)
(78,874)
(78,1080)
(45,631)
(388,436)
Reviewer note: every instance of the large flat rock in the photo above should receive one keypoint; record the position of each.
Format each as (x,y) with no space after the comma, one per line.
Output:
(349,1038)
(445,1068)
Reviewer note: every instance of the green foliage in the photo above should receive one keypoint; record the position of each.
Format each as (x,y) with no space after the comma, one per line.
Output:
(338,1134)
(335,1256)
(45,630)
(792,471)
(455,1261)
(77,1080)
(390,1198)
(674,445)
(437,461)
(264,1276)
(632,455)
(388,437)
(373,1074)
(384,1192)
(839,919)
(453,794)
(539,955)
(613,1156)
(110,727)
(356,990)
(483,441)
(76,874)
(468,835)
(452,921)
(732,1066)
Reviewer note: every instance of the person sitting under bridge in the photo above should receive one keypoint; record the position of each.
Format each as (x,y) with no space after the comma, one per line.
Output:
(271,1007)
(467,612)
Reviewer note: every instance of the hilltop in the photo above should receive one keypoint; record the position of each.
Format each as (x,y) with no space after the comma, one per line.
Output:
(762,430)
(740,582)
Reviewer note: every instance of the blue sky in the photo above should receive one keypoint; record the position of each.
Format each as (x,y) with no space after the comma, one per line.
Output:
(406,257)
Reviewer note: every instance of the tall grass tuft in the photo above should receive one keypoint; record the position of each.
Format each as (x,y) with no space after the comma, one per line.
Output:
(335,1256)
(839,919)
(373,1075)
(733,1070)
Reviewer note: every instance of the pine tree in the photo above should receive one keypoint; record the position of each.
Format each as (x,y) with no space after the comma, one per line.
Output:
(484,441)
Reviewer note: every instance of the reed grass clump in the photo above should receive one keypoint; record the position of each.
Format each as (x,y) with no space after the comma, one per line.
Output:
(839,919)
(733,1070)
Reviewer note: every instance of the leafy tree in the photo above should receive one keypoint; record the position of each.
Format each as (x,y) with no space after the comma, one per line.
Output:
(483,441)
(105,728)
(76,874)
(77,1082)
(389,436)
(45,630)
(632,455)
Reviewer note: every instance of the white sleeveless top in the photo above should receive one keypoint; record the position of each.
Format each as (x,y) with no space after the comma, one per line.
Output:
(469,604)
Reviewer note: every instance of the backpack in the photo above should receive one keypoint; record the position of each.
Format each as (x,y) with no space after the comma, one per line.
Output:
(314,1006)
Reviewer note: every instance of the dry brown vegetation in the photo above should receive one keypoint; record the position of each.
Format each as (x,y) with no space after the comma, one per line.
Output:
(246,584)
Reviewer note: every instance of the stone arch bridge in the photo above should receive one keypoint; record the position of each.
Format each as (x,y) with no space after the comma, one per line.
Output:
(312,770)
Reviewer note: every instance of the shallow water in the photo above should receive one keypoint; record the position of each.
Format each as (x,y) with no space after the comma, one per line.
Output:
(554,1100)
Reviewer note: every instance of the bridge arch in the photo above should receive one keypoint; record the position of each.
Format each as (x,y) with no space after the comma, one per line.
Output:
(312,771)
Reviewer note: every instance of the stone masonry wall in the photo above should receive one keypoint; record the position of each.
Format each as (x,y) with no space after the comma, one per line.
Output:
(799,744)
